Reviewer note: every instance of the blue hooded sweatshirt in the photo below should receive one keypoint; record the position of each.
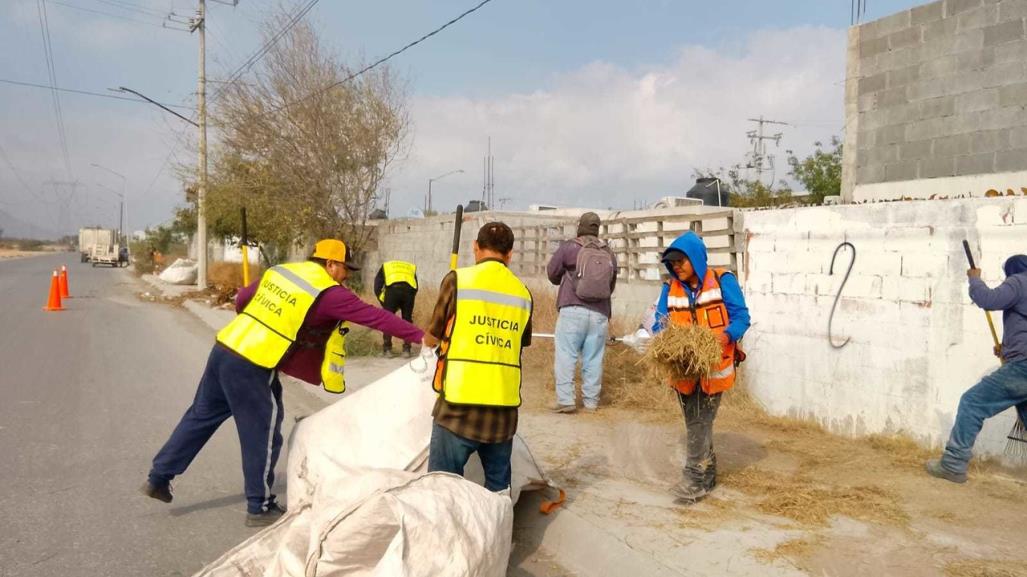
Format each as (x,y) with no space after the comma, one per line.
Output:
(1010,297)
(694,248)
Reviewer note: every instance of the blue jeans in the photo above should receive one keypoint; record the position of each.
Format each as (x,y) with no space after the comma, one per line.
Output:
(448,452)
(1004,388)
(580,332)
(231,386)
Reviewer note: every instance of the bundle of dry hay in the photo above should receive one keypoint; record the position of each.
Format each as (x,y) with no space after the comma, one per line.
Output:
(682,352)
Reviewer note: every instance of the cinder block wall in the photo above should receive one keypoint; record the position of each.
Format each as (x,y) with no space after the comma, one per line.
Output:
(938,91)
(428,243)
(917,342)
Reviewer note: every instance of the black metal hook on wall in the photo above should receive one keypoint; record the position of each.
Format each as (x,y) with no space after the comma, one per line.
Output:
(838,296)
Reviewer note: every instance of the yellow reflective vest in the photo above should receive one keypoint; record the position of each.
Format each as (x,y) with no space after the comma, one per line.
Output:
(267,327)
(397,271)
(480,363)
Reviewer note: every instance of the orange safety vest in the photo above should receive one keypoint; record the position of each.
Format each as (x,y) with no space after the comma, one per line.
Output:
(708,311)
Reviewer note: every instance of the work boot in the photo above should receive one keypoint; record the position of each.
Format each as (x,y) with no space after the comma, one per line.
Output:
(591,409)
(565,409)
(935,469)
(263,519)
(159,492)
(689,492)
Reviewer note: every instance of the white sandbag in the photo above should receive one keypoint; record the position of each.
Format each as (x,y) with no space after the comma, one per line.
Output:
(182,271)
(361,503)
(382,523)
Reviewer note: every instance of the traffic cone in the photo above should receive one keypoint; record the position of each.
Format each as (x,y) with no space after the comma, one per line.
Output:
(63,281)
(54,302)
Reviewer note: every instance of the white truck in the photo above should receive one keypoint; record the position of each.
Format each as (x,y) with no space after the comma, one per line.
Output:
(100,246)
(89,237)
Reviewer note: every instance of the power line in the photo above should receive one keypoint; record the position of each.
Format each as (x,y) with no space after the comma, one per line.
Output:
(130,7)
(109,14)
(382,60)
(85,92)
(18,177)
(44,25)
(267,46)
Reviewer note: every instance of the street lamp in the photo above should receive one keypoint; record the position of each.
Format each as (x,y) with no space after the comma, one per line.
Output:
(201,164)
(427,210)
(124,187)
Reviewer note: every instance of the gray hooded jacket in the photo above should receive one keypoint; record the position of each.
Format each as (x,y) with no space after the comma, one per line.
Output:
(1010,297)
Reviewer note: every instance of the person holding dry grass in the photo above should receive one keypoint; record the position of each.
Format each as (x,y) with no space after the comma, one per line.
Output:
(698,295)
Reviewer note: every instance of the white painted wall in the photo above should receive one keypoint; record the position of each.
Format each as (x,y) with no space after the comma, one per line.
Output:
(917,341)
(975,186)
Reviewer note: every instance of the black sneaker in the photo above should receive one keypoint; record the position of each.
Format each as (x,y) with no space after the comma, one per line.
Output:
(935,469)
(159,492)
(274,512)
(688,492)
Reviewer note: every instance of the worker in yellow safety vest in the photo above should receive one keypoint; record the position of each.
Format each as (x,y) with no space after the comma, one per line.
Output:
(294,320)
(396,288)
(482,320)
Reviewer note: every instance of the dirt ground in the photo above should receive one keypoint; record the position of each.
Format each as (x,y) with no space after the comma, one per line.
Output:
(8,253)
(841,506)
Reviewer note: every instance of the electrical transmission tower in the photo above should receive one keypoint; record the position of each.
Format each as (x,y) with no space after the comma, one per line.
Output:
(758,159)
(64,193)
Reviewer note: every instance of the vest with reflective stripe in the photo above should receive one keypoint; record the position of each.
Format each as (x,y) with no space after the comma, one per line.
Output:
(265,330)
(710,312)
(480,362)
(397,271)
(333,367)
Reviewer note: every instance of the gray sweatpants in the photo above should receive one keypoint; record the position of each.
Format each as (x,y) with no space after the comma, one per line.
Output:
(699,410)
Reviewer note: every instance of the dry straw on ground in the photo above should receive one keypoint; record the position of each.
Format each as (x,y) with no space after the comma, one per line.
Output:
(985,568)
(812,504)
(682,352)
(790,550)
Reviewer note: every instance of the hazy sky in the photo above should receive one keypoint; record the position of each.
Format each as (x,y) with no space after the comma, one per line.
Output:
(588,102)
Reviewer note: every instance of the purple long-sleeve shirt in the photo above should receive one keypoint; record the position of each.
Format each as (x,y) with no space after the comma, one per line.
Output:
(560,270)
(335,304)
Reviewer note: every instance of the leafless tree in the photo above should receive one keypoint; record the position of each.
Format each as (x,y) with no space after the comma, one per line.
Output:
(304,151)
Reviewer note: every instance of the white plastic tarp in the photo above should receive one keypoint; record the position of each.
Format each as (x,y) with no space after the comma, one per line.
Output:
(361,504)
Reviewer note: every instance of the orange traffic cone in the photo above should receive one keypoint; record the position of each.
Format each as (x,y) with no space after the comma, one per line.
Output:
(63,281)
(54,302)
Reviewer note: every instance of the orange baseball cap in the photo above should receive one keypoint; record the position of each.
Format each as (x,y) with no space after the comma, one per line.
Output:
(332,249)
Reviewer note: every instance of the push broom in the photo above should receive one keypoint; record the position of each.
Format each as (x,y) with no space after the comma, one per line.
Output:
(1016,445)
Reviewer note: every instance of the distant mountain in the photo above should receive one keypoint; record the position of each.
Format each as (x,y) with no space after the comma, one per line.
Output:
(17,228)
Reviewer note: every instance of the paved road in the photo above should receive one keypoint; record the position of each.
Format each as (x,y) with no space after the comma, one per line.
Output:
(89,395)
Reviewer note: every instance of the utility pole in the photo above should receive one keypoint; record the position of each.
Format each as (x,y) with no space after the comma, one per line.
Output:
(488,184)
(759,160)
(200,26)
(197,24)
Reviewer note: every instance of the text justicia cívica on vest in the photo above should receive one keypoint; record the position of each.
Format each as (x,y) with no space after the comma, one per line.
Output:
(494,323)
(277,297)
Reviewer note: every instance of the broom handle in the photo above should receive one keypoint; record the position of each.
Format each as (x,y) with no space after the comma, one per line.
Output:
(457,225)
(987,314)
